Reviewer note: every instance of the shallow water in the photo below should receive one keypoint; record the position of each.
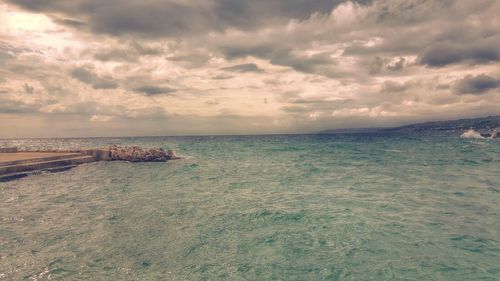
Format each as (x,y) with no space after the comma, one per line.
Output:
(312,207)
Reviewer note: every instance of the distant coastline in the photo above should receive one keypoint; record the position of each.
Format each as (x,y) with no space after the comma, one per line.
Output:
(483,125)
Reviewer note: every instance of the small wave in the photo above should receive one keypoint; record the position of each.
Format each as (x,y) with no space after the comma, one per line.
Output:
(480,143)
(41,274)
(275,216)
(186,157)
(393,150)
(471,134)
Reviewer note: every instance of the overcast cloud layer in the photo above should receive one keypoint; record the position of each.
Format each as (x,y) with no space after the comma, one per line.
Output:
(178,67)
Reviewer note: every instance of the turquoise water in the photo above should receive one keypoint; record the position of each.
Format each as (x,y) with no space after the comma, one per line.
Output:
(347,207)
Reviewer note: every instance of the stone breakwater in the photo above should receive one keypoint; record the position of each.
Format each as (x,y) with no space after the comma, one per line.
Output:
(113,153)
(137,154)
(15,164)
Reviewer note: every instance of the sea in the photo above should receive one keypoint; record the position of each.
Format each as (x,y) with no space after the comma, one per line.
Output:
(278,207)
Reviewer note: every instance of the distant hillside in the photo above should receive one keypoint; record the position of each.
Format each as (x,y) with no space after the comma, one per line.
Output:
(479,124)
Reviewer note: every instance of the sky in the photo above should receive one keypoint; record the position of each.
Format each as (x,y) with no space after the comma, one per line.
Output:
(206,67)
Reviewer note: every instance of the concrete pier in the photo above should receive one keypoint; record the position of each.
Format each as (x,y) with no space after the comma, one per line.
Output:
(19,164)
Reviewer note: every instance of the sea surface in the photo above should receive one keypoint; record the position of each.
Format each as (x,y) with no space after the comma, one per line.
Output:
(288,207)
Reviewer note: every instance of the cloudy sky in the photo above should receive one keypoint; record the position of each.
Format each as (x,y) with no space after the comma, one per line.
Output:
(184,67)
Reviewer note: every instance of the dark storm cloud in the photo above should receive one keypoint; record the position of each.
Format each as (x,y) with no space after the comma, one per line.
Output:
(153,90)
(222,77)
(157,18)
(97,82)
(32,67)
(421,38)
(445,53)
(320,63)
(476,84)
(408,11)
(242,68)
(394,87)
(143,18)
(145,50)
(302,63)
(70,22)
(435,43)
(249,14)
(440,33)
(115,55)
(8,106)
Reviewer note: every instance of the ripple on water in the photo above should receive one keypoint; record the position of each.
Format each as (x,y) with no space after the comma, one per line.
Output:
(260,208)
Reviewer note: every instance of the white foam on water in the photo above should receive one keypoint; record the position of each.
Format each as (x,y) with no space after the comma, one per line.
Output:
(471,134)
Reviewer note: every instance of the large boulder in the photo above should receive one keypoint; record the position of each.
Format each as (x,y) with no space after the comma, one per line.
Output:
(137,154)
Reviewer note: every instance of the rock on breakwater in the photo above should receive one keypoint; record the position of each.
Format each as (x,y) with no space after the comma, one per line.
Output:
(137,154)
